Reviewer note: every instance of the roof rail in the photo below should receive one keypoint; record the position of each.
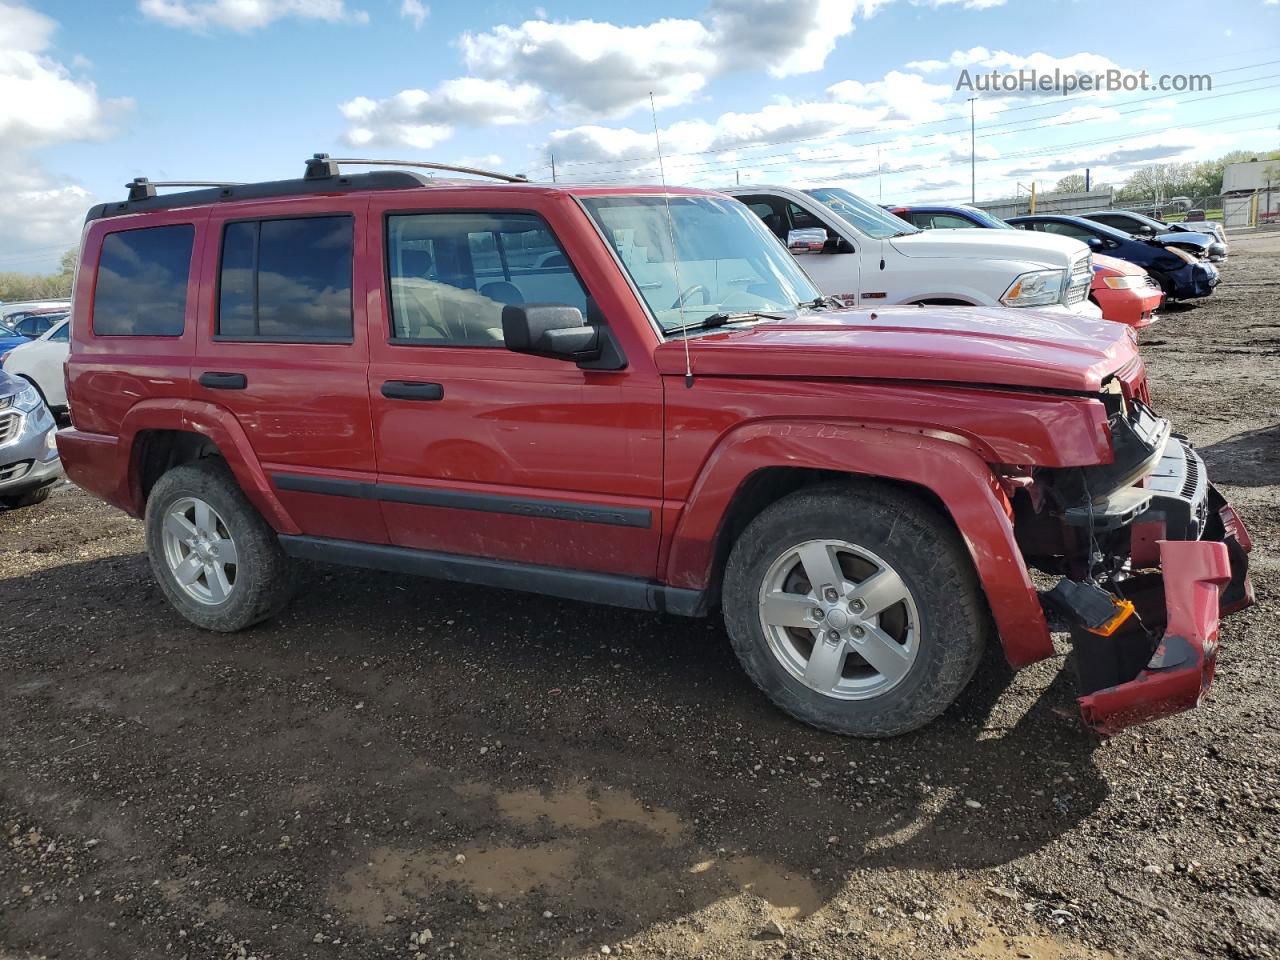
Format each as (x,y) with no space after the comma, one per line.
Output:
(322,166)
(140,188)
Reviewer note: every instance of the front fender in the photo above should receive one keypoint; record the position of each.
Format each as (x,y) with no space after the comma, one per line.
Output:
(958,477)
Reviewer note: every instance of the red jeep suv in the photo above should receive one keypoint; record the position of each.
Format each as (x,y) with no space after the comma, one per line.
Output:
(634,396)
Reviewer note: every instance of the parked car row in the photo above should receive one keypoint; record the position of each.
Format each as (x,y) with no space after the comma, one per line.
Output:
(636,396)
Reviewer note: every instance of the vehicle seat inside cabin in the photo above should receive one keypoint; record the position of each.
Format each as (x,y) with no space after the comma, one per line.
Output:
(428,309)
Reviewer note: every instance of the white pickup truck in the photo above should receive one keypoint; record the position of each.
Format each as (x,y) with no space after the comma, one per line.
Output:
(864,255)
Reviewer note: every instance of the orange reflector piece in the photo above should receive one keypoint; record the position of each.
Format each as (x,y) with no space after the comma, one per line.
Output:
(1124,610)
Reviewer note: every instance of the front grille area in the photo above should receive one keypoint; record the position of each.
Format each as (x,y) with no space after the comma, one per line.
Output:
(15,471)
(9,424)
(1079,281)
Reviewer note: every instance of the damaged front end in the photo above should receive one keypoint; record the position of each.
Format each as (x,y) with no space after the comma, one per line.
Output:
(1151,556)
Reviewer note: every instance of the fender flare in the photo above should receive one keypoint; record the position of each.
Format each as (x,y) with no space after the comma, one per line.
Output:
(223,430)
(958,477)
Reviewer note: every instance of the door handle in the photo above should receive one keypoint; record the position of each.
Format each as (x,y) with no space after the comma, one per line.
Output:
(224,381)
(412,390)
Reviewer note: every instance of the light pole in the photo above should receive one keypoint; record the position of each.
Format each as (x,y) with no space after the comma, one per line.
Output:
(973,157)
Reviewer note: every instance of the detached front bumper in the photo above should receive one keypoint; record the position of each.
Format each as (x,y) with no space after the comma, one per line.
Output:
(1157,657)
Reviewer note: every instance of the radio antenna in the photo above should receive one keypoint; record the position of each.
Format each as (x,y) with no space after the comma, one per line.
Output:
(671,236)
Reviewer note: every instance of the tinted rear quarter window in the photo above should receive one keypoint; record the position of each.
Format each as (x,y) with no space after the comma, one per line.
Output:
(286,280)
(141,288)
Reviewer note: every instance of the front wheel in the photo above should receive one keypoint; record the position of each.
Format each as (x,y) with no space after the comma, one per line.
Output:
(215,558)
(855,608)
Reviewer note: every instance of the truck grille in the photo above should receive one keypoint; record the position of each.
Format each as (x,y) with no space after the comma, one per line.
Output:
(9,423)
(1079,280)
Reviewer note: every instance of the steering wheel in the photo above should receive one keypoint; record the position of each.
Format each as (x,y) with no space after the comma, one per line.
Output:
(689,292)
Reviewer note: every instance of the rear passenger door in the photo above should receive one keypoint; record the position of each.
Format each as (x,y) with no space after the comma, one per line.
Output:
(283,346)
(487,453)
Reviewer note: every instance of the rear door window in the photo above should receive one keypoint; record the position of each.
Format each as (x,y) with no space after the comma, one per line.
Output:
(141,288)
(287,280)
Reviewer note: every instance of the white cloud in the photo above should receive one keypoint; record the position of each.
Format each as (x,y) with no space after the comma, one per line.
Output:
(42,102)
(908,96)
(245,15)
(600,68)
(416,11)
(787,37)
(420,119)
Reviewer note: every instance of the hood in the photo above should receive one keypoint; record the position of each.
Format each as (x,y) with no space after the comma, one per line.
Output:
(1186,238)
(970,345)
(1046,248)
(1115,267)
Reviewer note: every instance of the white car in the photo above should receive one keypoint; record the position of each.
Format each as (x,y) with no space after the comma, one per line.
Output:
(865,256)
(40,361)
(10,307)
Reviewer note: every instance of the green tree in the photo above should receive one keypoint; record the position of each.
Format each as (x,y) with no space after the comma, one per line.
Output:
(69,261)
(1073,183)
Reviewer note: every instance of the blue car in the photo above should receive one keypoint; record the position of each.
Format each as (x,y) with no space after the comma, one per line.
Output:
(946,216)
(20,328)
(1180,275)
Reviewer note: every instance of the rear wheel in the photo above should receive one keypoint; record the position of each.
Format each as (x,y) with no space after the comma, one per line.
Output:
(215,558)
(855,609)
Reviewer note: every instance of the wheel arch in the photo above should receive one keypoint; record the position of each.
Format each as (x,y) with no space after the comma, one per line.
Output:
(160,434)
(742,477)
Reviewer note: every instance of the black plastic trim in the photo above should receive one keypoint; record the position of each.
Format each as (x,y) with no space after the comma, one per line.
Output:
(459,500)
(605,588)
(353,183)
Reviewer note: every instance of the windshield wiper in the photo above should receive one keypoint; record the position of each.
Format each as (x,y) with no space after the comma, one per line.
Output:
(721,319)
(821,303)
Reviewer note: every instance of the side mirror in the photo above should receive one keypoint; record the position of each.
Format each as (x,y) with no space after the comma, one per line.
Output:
(1095,243)
(807,240)
(558,331)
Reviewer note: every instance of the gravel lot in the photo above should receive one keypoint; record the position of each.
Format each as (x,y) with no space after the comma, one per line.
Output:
(401,768)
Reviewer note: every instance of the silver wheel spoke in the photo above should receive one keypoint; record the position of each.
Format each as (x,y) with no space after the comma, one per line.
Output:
(204,519)
(788,610)
(826,663)
(189,570)
(179,526)
(821,567)
(880,591)
(224,551)
(216,578)
(890,658)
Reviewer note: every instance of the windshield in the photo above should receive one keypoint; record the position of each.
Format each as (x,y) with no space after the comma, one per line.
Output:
(875,222)
(6,330)
(725,262)
(990,219)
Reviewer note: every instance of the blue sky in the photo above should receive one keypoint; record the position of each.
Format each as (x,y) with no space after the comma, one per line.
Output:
(794,91)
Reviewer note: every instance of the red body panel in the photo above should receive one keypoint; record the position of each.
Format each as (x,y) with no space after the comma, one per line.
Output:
(981,345)
(1182,668)
(1132,307)
(956,476)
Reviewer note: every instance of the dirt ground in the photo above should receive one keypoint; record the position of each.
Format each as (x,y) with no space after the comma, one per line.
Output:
(402,768)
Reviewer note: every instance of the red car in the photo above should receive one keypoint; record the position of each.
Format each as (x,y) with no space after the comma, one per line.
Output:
(635,396)
(1125,293)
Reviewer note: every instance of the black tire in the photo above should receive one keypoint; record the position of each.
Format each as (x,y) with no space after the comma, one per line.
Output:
(263,581)
(30,498)
(933,563)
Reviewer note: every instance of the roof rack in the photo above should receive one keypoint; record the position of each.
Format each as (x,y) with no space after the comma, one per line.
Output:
(140,188)
(322,166)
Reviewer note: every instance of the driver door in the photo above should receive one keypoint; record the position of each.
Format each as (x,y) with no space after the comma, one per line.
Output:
(488,453)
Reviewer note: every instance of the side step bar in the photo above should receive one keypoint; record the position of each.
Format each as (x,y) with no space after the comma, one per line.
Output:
(605,588)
